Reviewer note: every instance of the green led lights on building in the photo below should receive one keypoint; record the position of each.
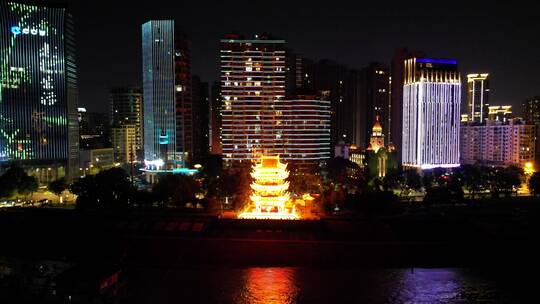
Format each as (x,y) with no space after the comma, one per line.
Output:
(38,88)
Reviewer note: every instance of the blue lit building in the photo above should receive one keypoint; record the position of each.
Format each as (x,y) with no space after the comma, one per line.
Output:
(38,89)
(431,113)
(158,89)
(168,133)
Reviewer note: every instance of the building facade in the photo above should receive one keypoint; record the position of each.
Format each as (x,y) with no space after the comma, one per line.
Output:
(257,119)
(252,84)
(375,99)
(126,109)
(531,114)
(94,130)
(397,81)
(201,119)
(498,143)
(478,97)
(167,94)
(531,110)
(342,86)
(124,140)
(431,113)
(38,87)
(500,113)
(93,161)
(214,129)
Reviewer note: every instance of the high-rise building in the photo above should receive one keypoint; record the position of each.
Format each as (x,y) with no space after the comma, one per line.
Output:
(531,110)
(375,99)
(477,97)
(38,87)
(431,113)
(395,132)
(531,114)
(257,118)
(500,113)
(167,94)
(94,130)
(183,95)
(124,140)
(342,86)
(126,108)
(252,83)
(201,110)
(498,143)
(214,130)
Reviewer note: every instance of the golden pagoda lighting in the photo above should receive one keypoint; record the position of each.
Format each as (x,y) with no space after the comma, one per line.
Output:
(270,199)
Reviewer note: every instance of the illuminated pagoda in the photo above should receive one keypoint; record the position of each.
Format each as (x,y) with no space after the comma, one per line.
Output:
(270,197)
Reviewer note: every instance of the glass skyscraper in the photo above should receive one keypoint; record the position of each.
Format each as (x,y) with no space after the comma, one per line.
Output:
(167,93)
(38,85)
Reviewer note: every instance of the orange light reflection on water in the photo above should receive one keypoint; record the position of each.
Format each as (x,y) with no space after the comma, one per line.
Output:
(269,286)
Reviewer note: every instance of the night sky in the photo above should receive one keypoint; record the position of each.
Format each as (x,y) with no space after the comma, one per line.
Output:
(502,41)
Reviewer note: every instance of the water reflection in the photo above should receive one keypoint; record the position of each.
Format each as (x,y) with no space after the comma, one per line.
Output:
(310,285)
(428,286)
(268,285)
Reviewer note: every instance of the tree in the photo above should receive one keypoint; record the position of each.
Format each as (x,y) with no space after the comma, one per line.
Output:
(178,189)
(392,180)
(27,185)
(534,183)
(109,189)
(15,181)
(413,180)
(338,170)
(472,177)
(304,182)
(58,186)
(507,179)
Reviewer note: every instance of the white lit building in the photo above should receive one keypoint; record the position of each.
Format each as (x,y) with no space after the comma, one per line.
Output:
(477,97)
(431,113)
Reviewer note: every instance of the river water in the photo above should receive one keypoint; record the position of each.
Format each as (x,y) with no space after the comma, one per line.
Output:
(275,285)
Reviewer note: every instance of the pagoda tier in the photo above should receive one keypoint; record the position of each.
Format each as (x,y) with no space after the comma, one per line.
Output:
(270,196)
(271,189)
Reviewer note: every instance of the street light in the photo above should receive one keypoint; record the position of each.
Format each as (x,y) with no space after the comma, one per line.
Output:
(529,168)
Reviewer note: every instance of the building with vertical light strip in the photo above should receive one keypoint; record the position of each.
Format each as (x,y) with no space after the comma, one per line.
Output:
(431,113)
(38,90)
(477,97)
(167,94)
(257,119)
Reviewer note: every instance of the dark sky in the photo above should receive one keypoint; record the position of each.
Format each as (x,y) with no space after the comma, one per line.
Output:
(485,37)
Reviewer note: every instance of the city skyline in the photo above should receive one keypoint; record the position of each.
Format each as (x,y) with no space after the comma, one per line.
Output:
(375,37)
